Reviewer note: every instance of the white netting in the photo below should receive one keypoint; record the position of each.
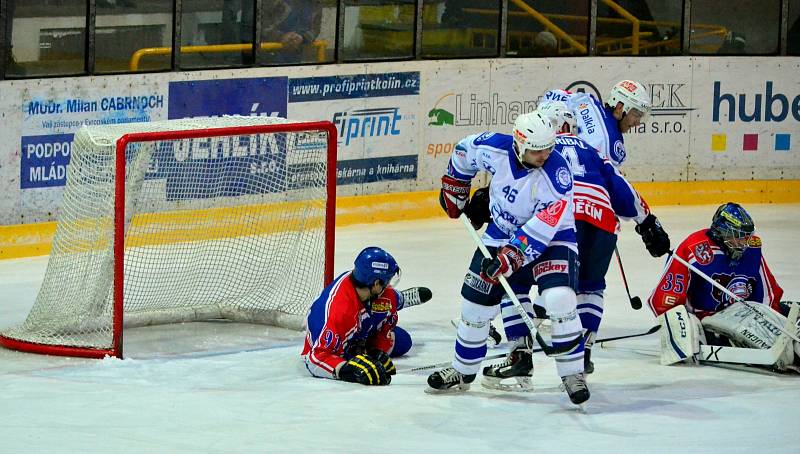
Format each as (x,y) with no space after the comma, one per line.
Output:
(228,227)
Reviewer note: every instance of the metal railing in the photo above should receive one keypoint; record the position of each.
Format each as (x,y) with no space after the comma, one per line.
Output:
(319,45)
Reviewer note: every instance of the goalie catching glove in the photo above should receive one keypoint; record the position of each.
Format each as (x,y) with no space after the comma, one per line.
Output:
(508,260)
(655,238)
(454,196)
(366,370)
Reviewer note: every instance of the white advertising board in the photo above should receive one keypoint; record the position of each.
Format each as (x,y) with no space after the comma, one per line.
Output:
(713,118)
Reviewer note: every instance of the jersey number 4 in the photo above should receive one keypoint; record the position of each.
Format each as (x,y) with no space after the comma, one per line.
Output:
(571,155)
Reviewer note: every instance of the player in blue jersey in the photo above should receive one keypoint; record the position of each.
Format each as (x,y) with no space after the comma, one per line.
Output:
(532,238)
(351,329)
(602,196)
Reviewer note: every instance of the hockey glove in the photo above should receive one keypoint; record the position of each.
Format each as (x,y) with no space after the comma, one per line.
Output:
(354,348)
(454,196)
(380,356)
(508,260)
(655,238)
(477,210)
(365,370)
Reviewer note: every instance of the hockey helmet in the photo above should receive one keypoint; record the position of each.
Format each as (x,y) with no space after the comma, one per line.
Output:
(533,131)
(373,264)
(731,228)
(563,117)
(632,95)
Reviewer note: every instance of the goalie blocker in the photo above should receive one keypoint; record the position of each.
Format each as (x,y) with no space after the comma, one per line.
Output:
(753,330)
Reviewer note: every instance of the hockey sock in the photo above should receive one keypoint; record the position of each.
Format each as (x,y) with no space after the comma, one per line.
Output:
(473,330)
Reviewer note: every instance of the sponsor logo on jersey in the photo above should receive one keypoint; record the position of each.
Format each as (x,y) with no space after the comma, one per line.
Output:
(589,209)
(670,300)
(552,214)
(484,136)
(588,121)
(475,282)
(381,305)
(703,253)
(550,267)
(522,243)
(563,177)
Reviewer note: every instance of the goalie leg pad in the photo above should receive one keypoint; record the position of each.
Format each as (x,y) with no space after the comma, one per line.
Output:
(681,335)
(561,304)
(473,330)
(751,325)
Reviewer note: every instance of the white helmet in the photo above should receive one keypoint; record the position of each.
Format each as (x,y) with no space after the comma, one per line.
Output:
(632,95)
(533,131)
(559,114)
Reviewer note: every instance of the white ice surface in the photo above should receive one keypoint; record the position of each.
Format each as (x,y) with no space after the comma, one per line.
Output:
(223,387)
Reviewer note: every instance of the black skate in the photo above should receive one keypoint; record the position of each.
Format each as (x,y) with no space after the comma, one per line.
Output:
(415,296)
(518,366)
(575,386)
(448,380)
(588,365)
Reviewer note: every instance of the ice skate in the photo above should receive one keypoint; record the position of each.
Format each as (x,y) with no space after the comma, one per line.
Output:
(513,374)
(448,380)
(575,386)
(415,296)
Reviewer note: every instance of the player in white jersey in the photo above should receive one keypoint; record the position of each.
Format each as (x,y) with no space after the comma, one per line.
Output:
(532,238)
(602,125)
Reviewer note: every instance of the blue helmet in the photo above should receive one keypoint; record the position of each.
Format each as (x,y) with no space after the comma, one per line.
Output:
(374,263)
(731,228)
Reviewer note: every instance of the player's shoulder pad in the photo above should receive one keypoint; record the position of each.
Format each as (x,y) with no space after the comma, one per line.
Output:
(698,246)
(492,139)
(557,169)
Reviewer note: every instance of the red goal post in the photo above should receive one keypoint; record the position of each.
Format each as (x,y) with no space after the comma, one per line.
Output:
(185,220)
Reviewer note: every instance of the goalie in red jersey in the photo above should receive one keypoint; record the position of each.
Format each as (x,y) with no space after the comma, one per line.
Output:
(693,311)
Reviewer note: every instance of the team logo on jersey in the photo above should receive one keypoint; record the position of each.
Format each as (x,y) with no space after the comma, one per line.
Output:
(618,153)
(739,285)
(754,241)
(552,214)
(550,267)
(563,177)
(703,253)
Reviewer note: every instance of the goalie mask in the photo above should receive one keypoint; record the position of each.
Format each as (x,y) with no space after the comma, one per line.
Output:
(374,264)
(533,131)
(731,228)
(633,96)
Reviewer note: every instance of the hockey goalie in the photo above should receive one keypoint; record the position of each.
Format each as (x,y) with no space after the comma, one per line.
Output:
(717,300)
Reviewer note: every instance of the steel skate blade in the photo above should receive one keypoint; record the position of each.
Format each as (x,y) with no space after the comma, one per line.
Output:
(510,384)
(458,389)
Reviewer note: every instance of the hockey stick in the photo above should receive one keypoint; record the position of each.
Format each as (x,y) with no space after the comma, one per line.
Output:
(636,302)
(652,330)
(535,350)
(724,290)
(548,350)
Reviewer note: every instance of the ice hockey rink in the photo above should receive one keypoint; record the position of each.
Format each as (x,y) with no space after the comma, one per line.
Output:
(226,387)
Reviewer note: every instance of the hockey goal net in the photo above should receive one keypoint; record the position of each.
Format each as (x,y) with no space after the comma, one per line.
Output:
(185,220)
